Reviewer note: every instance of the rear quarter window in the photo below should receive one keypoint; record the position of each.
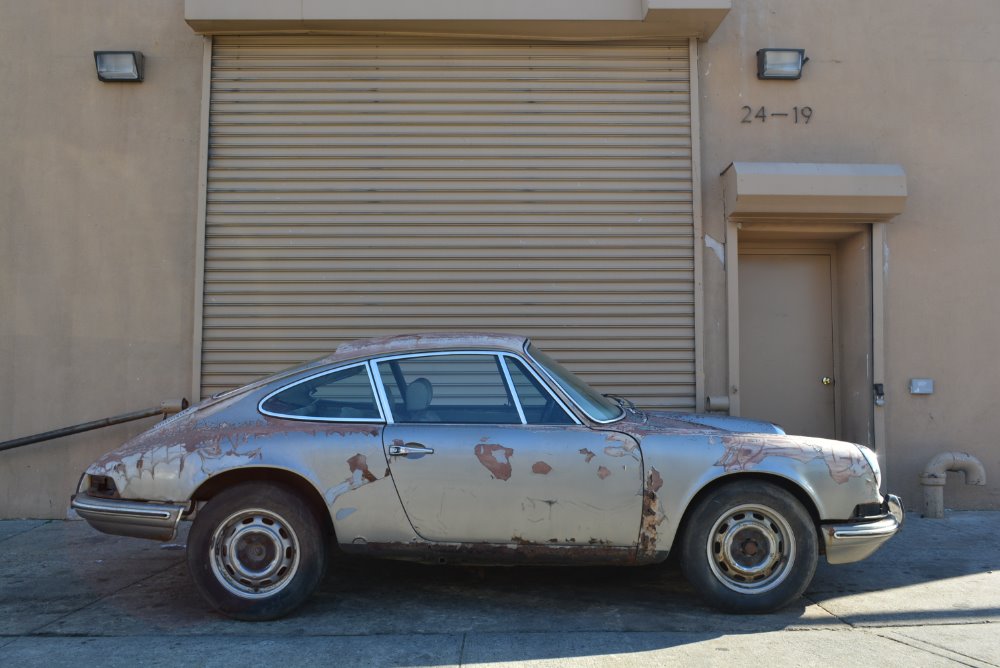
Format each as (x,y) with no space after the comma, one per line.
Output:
(345,395)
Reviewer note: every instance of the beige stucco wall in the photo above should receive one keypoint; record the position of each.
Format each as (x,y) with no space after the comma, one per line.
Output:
(98,188)
(98,207)
(914,82)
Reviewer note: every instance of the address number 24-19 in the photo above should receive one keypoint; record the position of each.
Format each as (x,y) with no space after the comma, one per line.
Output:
(797,114)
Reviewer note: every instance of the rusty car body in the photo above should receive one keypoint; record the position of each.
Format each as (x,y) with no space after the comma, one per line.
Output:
(472,447)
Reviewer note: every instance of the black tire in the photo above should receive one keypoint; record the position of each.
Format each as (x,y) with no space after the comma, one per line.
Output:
(257,551)
(749,547)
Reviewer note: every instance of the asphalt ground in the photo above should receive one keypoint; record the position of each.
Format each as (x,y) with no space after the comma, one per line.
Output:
(72,596)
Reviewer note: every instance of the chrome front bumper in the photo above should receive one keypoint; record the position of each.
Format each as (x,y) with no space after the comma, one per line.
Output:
(853,542)
(121,517)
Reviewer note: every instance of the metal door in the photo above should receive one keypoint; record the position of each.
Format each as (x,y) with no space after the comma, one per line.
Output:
(361,186)
(552,485)
(787,361)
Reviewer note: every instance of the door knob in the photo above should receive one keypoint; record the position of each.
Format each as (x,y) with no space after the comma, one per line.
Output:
(827,380)
(409,449)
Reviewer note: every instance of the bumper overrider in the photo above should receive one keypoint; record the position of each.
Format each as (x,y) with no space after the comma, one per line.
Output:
(121,517)
(846,543)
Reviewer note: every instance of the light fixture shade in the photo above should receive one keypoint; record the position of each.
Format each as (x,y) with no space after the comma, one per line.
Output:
(119,65)
(780,63)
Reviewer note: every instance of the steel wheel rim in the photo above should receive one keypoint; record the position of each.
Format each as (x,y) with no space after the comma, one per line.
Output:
(751,549)
(254,553)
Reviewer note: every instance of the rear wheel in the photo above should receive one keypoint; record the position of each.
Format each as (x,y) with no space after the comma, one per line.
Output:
(750,547)
(256,551)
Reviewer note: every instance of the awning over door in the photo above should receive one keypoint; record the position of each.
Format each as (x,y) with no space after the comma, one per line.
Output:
(826,192)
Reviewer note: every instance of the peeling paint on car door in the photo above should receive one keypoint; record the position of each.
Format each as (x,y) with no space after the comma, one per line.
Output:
(518,483)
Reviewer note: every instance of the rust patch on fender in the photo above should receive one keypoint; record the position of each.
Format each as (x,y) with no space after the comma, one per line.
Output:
(360,476)
(588,455)
(486,453)
(603,472)
(655,480)
(541,468)
(652,516)
(360,463)
(745,452)
(173,441)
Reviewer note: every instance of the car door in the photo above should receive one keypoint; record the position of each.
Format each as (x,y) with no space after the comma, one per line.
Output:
(481,452)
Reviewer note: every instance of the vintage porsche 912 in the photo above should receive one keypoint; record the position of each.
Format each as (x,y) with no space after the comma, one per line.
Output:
(471,447)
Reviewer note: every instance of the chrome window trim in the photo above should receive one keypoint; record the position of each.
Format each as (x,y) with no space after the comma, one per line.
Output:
(305,418)
(548,390)
(374,362)
(383,398)
(569,396)
(437,353)
(511,388)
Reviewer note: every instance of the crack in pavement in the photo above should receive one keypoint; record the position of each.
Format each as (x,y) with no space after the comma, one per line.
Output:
(37,632)
(461,651)
(945,649)
(930,648)
(21,533)
(828,611)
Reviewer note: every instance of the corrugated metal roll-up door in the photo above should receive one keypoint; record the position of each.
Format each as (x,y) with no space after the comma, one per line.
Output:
(361,188)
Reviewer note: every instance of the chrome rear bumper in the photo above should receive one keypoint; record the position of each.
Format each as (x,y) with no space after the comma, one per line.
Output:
(853,542)
(121,517)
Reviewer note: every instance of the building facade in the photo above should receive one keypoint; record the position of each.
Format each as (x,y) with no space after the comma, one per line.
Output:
(609,177)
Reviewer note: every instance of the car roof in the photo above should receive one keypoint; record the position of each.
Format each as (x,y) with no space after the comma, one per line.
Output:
(405,343)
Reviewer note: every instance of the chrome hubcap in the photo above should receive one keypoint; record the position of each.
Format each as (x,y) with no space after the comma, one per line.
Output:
(751,549)
(254,553)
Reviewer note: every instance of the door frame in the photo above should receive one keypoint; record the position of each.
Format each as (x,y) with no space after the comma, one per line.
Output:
(807,247)
(806,230)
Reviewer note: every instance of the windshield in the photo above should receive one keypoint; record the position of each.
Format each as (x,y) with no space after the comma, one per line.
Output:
(590,401)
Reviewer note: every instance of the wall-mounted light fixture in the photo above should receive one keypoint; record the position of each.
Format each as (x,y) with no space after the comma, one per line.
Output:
(119,65)
(780,63)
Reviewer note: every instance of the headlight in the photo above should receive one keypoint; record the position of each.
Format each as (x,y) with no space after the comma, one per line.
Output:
(872,460)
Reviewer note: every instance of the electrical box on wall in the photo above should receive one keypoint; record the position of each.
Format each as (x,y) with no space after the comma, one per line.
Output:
(921,386)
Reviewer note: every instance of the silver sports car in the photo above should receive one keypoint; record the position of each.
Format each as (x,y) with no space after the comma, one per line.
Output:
(480,448)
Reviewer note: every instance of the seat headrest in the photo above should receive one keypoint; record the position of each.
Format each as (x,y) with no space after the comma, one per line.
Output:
(419,394)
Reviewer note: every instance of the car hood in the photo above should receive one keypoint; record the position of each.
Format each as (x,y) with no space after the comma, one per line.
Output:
(740,444)
(641,423)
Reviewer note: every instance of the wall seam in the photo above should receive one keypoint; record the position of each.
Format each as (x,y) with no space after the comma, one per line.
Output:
(696,204)
(199,263)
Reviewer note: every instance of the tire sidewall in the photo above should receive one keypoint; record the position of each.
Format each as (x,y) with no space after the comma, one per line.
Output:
(695,561)
(301,519)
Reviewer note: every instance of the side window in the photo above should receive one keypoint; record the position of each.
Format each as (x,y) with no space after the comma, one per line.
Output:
(459,389)
(342,395)
(538,405)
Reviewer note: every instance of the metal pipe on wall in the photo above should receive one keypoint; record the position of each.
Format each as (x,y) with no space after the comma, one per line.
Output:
(165,408)
(935,476)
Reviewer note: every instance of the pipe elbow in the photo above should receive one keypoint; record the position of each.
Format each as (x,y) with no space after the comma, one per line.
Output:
(935,473)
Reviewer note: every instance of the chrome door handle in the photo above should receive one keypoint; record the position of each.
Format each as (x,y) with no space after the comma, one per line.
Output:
(410,449)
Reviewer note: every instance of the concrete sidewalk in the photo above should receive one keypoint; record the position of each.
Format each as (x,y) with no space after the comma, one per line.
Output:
(72,596)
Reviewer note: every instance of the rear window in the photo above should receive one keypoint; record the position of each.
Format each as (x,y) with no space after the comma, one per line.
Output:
(341,395)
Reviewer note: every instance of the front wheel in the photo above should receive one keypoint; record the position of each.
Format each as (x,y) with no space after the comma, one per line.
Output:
(749,547)
(256,551)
